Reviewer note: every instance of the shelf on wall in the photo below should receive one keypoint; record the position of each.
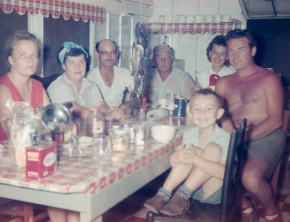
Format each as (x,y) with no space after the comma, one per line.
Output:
(192,28)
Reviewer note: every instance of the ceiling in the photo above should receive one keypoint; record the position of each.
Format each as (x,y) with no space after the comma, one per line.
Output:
(265,9)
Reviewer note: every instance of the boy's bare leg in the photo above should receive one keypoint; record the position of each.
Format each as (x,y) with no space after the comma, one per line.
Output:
(176,176)
(198,178)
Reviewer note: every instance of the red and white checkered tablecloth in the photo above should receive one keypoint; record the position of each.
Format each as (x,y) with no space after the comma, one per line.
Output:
(55,8)
(77,175)
(191,28)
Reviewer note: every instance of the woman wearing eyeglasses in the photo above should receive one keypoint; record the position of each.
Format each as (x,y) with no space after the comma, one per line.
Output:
(73,87)
(113,81)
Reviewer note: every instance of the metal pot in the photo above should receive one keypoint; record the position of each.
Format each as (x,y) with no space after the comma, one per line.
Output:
(56,115)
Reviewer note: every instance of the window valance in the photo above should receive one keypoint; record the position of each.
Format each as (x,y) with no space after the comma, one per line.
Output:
(192,28)
(55,8)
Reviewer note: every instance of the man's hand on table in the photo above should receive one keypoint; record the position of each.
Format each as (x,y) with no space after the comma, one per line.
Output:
(117,112)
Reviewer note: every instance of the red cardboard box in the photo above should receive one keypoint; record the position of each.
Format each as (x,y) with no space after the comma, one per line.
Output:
(40,161)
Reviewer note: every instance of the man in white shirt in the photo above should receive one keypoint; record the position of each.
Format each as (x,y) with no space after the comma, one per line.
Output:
(112,80)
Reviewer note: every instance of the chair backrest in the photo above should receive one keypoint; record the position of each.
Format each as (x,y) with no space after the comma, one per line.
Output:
(231,175)
(46,80)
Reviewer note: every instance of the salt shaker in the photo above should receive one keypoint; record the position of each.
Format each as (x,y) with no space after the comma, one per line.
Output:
(139,135)
(141,114)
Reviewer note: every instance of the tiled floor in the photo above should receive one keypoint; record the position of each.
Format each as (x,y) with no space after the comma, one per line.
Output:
(132,210)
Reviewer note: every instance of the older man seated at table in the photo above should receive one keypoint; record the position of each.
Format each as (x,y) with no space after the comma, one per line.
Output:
(166,78)
(113,81)
(73,87)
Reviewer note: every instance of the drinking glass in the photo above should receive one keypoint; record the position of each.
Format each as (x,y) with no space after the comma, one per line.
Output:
(6,123)
(102,148)
(170,97)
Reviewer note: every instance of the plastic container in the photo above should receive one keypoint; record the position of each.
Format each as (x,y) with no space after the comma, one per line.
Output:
(95,123)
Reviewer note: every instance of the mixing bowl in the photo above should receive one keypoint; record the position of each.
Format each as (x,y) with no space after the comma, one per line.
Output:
(163,133)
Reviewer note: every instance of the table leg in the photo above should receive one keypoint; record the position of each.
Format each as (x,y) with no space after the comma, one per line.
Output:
(98,219)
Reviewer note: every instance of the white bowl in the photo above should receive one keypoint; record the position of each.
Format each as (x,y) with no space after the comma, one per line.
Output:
(163,133)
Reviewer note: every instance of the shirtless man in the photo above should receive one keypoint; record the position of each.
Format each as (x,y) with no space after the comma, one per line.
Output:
(111,80)
(256,94)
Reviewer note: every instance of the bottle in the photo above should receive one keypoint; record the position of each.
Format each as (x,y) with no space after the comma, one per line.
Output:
(109,121)
(143,101)
(95,123)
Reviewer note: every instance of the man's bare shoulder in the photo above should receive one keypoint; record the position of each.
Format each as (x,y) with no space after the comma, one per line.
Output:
(266,76)
(228,78)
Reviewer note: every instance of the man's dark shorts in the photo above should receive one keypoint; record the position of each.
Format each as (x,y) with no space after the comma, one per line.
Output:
(269,149)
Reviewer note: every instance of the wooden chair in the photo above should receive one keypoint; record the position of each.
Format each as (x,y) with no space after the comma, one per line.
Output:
(22,212)
(227,210)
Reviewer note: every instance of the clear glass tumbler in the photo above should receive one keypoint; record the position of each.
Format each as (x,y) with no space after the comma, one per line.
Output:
(102,148)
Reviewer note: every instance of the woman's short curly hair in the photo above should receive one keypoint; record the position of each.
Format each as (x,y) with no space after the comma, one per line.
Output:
(14,39)
(218,40)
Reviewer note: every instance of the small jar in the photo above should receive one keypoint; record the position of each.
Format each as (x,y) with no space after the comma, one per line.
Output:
(120,140)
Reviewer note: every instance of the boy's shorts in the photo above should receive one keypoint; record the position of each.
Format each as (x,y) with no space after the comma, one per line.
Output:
(269,148)
(215,198)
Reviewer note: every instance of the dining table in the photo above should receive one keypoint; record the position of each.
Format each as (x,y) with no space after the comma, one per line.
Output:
(82,184)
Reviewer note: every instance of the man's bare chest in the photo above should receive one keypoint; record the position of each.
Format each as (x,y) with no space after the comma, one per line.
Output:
(245,94)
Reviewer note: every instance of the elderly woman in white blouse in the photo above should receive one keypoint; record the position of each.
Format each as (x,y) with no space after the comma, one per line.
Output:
(73,87)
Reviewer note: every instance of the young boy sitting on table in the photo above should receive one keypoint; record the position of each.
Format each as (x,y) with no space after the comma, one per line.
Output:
(198,164)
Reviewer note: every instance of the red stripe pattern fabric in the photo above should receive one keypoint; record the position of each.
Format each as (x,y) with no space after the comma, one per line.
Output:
(56,8)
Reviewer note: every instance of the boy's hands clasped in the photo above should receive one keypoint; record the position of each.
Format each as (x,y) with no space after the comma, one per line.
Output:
(186,155)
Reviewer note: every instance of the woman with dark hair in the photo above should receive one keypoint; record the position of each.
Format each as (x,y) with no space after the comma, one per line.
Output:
(217,54)
(73,87)
(22,51)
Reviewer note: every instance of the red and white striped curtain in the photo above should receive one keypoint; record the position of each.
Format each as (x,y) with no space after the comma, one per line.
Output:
(55,8)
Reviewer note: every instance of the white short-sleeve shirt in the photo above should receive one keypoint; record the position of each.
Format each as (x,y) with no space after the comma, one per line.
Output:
(113,95)
(203,76)
(62,90)
(178,82)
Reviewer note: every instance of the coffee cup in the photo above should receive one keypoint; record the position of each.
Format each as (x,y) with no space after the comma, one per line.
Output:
(176,19)
(209,18)
(181,18)
(226,18)
(199,18)
(218,18)
(161,18)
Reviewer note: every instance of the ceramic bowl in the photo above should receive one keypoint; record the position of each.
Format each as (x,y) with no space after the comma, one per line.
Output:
(163,133)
